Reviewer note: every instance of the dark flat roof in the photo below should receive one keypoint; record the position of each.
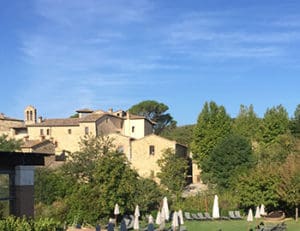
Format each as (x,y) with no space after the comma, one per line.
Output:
(12,159)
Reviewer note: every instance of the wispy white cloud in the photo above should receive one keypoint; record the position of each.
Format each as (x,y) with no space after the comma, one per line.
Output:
(214,34)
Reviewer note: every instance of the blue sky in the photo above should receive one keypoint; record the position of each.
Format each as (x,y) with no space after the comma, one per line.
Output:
(63,55)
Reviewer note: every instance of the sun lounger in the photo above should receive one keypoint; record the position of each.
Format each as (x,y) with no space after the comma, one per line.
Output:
(202,218)
(188,216)
(207,215)
(237,214)
(232,216)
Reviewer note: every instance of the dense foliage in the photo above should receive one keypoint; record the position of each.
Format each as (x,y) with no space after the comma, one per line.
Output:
(155,112)
(23,224)
(228,159)
(86,188)
(9,144)
(182,134)
(173,169)
(248,160)
(212,126)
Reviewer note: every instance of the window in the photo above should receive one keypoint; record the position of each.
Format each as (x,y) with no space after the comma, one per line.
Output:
(7,195)
(121,149)
(151,150)
(86,130)
(41,132)
(69,131)
(48,132)
(132,129)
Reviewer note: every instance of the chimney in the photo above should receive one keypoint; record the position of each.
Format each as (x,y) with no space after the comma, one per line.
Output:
(40,120)
(110,110)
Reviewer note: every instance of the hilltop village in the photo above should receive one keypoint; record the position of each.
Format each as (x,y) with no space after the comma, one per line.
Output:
(133,135)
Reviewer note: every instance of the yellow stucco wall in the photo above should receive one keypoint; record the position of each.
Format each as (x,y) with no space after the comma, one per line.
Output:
(60,136)
(142,161)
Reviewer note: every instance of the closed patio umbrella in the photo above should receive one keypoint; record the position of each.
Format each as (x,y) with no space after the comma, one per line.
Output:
(116,212)
(175,220)
(158,218)
(262,210)
(216,213)
(250,215)
(257,212)
(166,208)
(180,215)
(150,219)
(136,224)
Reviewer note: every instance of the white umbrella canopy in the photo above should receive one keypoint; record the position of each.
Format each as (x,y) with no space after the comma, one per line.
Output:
(216,212)
(150,219)
(180,215)
(116,210)
(162,223)
(136,225)
(158,218)
(262,210)
(250,215)
(165,207)
(137,211)
(257,212)
(175,220)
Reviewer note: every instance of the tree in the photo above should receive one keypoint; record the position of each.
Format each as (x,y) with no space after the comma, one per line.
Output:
(173,171)
(212,126)
(155,112)
(9,144)
(51,185)
(82,164)
(295,122)
(246,123)
(274,123)
(104,177)
(182,134)
(289,186)
(230,157)
(258,186)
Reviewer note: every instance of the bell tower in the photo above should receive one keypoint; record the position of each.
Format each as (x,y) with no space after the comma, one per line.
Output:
(30,115)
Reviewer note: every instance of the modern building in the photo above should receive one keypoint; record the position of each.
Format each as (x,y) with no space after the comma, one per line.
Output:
(17,182)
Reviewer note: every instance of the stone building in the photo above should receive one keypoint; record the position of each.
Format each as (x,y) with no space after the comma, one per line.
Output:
(132,135)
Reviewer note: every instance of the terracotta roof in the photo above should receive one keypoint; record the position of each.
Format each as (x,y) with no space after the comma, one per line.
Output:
(32,143)
(91,117)
(135,117)
(3,117)
(57,122)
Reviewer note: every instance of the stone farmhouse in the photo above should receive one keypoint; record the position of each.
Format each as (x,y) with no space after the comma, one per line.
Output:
(132,134)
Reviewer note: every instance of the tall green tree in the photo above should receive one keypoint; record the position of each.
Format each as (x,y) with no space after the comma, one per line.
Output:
(274,124)
(103,177)
(156,112)
(212,126)
(289,186)
(295,122)
(82,164)
(9,144)
(230,157)
(258,186)
(173,171)
(246,123)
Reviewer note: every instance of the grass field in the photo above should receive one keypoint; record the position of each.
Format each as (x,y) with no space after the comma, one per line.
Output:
(241,225)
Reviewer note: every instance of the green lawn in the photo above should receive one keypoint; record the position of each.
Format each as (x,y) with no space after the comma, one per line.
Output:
(232,225)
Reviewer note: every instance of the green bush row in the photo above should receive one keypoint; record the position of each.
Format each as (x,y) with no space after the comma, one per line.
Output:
(12,223)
